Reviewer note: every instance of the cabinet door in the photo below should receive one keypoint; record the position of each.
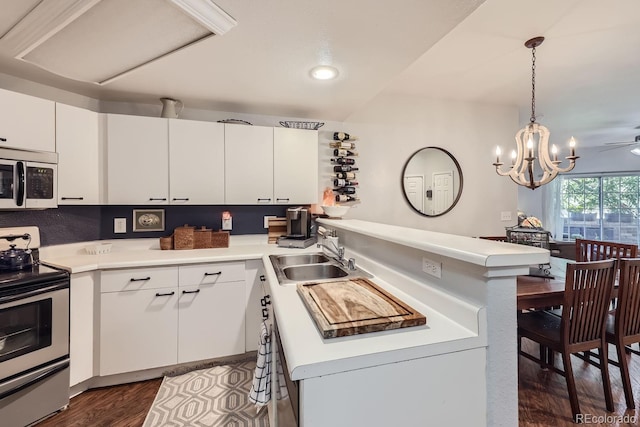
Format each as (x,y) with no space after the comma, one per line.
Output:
(81,327)
(77,143)
(295,166)
(26,122)
(196,162)
(137,160)
(248,165)
(138,330)
(211,321)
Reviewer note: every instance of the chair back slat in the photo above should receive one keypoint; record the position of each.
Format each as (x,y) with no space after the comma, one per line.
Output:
(595,250)
(628,310)
(588,287)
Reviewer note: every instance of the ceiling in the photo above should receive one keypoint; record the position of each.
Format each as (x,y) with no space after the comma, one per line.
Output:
(587,84)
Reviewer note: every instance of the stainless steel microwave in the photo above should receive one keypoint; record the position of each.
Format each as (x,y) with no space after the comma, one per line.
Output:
(28,179)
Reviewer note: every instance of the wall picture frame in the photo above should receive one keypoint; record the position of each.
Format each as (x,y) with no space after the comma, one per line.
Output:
(148,220)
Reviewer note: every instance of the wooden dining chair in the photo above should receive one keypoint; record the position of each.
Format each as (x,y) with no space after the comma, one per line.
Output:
(595,250)
(623,326)
(581,327)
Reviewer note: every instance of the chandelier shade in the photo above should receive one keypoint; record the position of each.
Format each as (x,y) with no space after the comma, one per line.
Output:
(532,163)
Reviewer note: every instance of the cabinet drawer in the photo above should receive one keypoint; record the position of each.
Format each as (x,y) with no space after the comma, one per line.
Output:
(132,279)
(200,274)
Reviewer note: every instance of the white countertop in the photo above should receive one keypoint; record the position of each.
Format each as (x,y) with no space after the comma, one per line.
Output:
(308,354)
(482,252)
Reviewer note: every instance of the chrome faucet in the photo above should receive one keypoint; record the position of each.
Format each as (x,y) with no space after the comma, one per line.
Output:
(338,251)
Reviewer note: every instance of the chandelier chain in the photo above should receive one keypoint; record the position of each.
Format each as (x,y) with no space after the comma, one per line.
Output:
(533,85)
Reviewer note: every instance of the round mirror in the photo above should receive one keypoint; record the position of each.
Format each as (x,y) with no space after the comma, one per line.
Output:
(432,181)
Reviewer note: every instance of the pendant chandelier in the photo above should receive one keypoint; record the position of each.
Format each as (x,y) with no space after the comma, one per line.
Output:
(523,161)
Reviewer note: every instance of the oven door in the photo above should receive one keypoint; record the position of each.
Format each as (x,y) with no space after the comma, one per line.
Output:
(41,185)
(34,328)
(9,184)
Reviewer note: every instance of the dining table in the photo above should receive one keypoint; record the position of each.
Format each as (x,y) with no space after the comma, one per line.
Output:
(535,292)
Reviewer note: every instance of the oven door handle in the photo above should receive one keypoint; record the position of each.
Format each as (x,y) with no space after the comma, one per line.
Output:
(20,383)
(23,295)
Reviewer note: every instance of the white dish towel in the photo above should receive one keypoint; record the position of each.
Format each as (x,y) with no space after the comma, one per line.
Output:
(260,392)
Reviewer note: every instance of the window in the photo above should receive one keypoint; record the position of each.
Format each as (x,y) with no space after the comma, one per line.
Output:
(601,208)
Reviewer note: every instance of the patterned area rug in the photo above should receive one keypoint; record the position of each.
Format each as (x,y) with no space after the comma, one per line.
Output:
(210,397)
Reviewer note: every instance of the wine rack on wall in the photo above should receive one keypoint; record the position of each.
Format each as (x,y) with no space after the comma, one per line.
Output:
(344,165)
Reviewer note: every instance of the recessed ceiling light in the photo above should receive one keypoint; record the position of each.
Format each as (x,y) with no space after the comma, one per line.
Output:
(324,72)
(636,151)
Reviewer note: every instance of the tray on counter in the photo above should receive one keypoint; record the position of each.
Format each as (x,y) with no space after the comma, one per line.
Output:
(357,306)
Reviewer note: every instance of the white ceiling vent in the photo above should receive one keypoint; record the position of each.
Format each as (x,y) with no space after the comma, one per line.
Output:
(99,41)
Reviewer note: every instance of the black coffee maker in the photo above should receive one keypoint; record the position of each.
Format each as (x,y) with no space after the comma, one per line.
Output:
(298,229)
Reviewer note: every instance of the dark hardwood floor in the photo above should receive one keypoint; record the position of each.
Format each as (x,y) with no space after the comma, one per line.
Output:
(543,399)
(117,406)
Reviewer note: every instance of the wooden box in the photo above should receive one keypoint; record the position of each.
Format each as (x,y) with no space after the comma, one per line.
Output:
(202,238)
(183,237)
(220,239)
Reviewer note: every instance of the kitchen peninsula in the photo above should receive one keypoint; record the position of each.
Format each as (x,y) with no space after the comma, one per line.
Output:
(464,356)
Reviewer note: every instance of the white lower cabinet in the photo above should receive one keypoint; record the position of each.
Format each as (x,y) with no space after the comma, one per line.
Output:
(211,318)
(160,316)
(81,327)
(138,330)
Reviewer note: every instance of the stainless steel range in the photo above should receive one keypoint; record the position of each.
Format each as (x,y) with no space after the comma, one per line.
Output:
(34,334)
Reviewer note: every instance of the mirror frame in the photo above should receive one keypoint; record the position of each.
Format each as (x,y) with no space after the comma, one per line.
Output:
(457,198)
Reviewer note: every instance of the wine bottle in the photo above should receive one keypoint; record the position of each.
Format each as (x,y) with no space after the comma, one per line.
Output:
(343,153)
(346,175)
(345,190)
(346,198)
(341,136)
(343,183)
(343,145)
(343,161)
(344,168)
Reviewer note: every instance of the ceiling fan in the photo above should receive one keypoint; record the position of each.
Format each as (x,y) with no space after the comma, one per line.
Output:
(634,145)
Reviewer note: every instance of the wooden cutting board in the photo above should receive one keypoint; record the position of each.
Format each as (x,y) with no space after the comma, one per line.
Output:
(357,306)
(277,228)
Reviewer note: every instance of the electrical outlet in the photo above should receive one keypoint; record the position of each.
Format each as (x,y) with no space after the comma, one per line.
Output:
(227,224)
(432,267)
(266,220)
(505,216)
(119,225)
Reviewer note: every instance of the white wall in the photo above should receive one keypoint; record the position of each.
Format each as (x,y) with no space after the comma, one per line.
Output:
(391,128)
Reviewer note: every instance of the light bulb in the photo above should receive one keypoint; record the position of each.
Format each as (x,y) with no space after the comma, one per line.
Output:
(572,147)
(324,72)
(554,151)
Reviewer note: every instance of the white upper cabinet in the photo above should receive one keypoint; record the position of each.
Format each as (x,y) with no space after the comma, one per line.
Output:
(196,162)
(137,160)
(295,166)
(26,122)
(248,165)
(77,142)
